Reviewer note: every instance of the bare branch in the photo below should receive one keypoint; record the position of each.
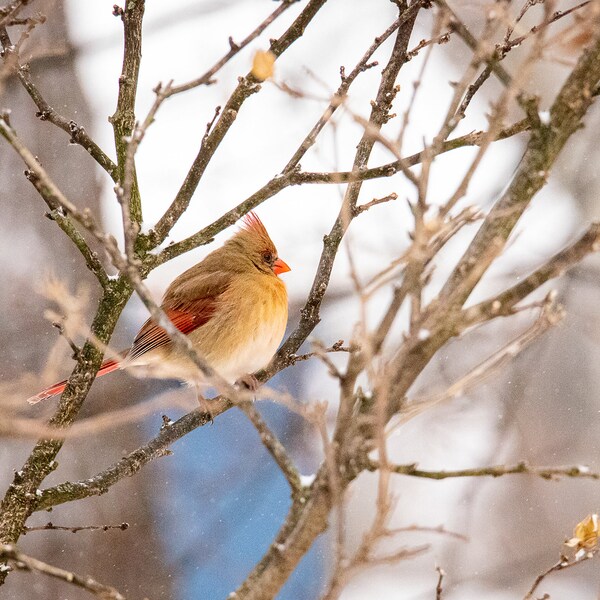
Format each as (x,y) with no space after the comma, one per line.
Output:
(275,447)
(77,134)
(304,523)
(133,462)
(504,303)
(61,208)
(280,182)
(53,527)
(337,347)
(338,98)
(10,11)
(549,316)
(375,202)
(123,120)
(544,146)
(234,48)
(438,588)
(473,43)
(561,565)
(548,473)
(23,562)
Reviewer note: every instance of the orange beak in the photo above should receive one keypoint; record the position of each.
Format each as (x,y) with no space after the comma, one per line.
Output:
(280,266)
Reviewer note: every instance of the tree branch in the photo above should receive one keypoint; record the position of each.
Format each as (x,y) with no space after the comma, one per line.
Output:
(61,208)
(503,304)
(234,48)
(23,562)
(549,473)
(22,495)
(77,134)
(123,120)
(282,181)
(545,144)
(274,446)
(129,465)
(306,521)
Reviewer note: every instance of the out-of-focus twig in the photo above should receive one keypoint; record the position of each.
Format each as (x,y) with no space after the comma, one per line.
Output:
(77,134)
(549,473)
(439,589)
(24,562)
(503,304)
(53,527)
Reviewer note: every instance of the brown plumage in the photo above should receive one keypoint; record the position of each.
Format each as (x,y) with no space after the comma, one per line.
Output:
(232,305)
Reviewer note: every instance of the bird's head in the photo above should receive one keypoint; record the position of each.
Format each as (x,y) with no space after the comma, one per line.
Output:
(253,244)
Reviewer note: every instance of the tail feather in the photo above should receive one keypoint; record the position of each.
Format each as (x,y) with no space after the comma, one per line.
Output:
(58,388)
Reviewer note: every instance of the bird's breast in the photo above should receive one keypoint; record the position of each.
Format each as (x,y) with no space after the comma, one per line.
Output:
(247,329)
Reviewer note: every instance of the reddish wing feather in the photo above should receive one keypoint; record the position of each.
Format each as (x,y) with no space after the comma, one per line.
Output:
(186,318)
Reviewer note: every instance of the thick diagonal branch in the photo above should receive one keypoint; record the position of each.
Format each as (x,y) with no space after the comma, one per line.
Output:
(543,149)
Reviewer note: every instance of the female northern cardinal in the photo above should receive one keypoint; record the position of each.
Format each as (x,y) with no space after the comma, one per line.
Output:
(232,305)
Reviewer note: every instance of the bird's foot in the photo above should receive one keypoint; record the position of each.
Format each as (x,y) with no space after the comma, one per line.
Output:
(249,382)
(206,408)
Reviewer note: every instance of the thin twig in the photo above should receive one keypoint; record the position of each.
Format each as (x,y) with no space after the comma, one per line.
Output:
(77,134)
(549,316)
(473,43)
(61,209)
(53,527)
(280,182)
(504,303)
(559,14)
(340,94)
(23,562)
(337,347)
(440,529)
(548,473)
(274,446)
(438,588)
(363,207)
(234,48)
(544,146)
(10,11)
(561,565)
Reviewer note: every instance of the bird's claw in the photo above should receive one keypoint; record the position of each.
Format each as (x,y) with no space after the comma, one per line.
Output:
(206,408)
(249,382)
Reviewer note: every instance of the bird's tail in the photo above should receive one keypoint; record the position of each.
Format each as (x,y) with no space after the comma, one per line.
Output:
(107,367)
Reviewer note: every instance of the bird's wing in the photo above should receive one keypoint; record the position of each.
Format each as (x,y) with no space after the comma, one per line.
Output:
(189,308)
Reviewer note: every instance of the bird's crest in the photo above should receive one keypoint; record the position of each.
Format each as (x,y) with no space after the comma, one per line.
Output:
(254,226)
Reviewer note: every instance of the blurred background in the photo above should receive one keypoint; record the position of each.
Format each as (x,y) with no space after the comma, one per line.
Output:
(200,519)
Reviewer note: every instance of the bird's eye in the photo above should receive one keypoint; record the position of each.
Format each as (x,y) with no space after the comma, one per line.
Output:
(268,257)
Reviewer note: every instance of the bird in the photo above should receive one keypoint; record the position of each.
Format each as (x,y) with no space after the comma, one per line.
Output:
(232,305)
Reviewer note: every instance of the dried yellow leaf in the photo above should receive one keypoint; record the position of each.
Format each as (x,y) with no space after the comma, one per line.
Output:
(585,534)
(263,64)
